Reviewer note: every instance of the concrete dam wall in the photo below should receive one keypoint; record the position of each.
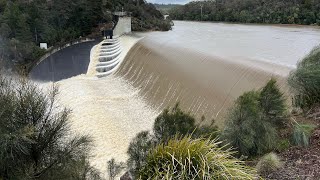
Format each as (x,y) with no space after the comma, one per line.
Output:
(204,85)
(123,26)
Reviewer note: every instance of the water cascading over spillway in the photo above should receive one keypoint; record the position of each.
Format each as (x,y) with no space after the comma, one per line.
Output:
(203,84)
(109,56)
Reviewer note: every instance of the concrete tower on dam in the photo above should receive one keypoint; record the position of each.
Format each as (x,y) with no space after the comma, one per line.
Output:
(123,23)
(107,55)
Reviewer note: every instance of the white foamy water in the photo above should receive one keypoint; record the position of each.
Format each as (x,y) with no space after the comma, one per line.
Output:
(178,65)
(109,110)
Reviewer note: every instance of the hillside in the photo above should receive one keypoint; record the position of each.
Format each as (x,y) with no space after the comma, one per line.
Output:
(165,8)
(304,12)
(24,24)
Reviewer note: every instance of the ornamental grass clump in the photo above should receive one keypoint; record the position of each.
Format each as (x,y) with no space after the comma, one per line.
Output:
(301,134)
(188,158)
(269,163)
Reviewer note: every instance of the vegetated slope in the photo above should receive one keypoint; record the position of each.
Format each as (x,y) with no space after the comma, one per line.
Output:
(165,8)
(24,24)
(251,11)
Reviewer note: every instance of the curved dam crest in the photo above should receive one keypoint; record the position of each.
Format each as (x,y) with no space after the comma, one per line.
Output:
(166,67)
(203,84)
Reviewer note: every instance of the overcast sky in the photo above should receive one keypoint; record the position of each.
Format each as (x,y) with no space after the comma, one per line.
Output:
(169,1)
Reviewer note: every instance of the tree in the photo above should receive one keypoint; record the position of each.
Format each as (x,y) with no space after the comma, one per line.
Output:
(138,150)
(114,168)
(251,126)
(34,136)
(172,122)
(273,103)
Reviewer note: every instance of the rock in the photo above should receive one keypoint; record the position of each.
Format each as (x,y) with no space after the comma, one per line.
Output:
(126,176)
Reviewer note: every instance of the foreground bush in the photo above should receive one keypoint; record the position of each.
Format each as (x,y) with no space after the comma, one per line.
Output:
(138,151)
(251,125)
(268,163)
(273,103)
(168,124)
(189,158)
(35,141)
(305,81)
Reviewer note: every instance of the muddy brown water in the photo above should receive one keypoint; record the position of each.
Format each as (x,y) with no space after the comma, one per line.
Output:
(206,66)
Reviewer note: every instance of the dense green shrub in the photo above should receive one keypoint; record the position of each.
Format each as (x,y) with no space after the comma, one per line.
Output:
(246,127)
(301,134)
(189,158)
(268,163)
(251,125)
(273,103)
(138,151)
(170,123)
(305,81)
(35,141)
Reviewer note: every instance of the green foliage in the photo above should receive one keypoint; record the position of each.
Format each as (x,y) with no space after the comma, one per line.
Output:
(246,128)
(301,134)
(138,150)
(272,102)
(251,126)
(172,122)
(250,11)
(114,168)
(165,8)
(305,81)
(35,140)
(57,22)
(167,125)
(189,158)
(268,163)
(283,144)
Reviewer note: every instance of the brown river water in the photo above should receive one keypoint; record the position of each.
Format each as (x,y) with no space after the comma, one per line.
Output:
(206,66)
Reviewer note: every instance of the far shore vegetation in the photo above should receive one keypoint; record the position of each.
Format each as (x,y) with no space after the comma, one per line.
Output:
(264,136)
(305,12)
(26,24)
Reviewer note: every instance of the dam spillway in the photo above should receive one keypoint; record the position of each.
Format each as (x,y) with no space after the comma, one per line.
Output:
(206,66)
(204,72)
(204,85)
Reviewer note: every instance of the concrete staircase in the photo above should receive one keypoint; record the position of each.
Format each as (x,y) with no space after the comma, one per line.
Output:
(109,51)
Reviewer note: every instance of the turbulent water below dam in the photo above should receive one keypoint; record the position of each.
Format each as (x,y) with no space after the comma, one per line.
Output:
(204,66)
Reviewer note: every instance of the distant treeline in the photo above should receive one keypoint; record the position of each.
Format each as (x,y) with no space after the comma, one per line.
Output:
(165,8)
(24,24)
(251,11)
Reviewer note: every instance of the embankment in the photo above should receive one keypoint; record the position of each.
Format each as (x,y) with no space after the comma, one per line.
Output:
(203,84)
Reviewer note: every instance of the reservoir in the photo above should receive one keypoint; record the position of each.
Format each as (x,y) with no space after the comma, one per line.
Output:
(204,66)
